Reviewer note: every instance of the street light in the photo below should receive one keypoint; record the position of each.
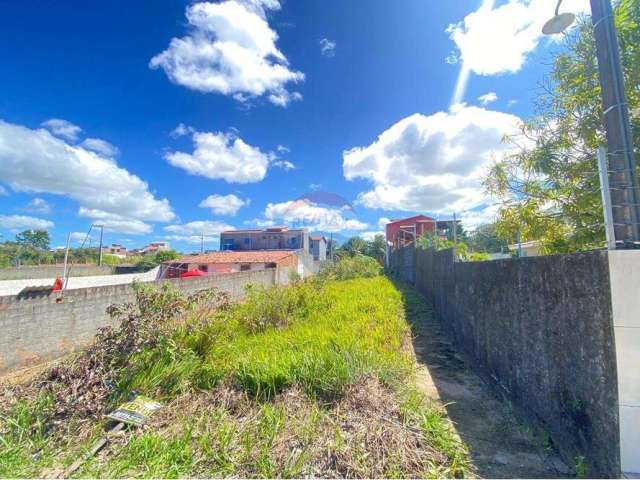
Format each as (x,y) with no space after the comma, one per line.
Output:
(622,166)
(559,23)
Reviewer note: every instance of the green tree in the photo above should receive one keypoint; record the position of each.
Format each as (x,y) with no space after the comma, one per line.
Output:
(354,246)
(38,239)
(549,189)
(485,239)
(376,248)
(166,255)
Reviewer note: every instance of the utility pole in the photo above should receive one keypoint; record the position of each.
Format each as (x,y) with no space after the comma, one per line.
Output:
(66,257)
(606,198)
(455,230)
(622,165)
(202,243)
(100,247)
(331,246)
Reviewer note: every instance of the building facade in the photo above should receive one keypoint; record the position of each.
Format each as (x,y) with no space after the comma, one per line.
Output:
(216,263)
(318,247)
(276,238)
(405,231)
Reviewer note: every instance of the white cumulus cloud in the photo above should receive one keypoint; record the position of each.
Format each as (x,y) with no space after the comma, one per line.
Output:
(24,222)
(62,128)
(113,222)
(36,161)
(431,163)
(219,155)
(311,215)
(39,205)
(488,98)
(327,47)
(224,204)
(498,40)
(192,232)
(230,49)
(100,146)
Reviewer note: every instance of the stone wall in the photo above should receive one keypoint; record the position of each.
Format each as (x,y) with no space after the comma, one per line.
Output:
(540,330)
(43,328)
(53,271)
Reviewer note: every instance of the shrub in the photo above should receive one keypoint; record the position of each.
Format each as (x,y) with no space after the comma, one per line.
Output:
(347,268)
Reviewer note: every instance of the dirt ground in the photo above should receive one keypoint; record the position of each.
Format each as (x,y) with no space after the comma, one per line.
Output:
(501,445)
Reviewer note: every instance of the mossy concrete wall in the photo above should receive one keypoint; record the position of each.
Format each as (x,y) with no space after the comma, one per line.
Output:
(540,330)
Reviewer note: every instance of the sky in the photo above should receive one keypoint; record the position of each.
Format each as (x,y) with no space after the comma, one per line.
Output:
(167,120)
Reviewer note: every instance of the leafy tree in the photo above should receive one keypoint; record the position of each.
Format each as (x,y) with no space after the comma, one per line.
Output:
(166,255)
(376,248)
(354,246)
(549,189)
(484,238)
(464,253)
(151,261)
(38,239)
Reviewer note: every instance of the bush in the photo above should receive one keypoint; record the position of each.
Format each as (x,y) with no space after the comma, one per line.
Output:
(347,268)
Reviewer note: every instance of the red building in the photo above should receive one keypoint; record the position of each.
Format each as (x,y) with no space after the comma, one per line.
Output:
(405,231)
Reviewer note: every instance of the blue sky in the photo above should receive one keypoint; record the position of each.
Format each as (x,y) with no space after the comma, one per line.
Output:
(105,119)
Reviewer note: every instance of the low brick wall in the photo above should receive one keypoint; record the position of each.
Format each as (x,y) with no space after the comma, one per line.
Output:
(39,329)
(53,271)
(540,330)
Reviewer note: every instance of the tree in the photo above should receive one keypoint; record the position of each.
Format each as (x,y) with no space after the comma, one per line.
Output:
(376,248)
(484,238)
(152,261)
(354,246)
(549,189)
(38,239)
(166,255)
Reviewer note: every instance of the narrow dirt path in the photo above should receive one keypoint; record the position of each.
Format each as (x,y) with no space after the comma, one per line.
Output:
(500,444)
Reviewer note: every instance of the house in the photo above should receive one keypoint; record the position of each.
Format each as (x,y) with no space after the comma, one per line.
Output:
(405,231)
(274,238)
(526,249)
(155,247)
(318,247)
(231,262)
(116,250)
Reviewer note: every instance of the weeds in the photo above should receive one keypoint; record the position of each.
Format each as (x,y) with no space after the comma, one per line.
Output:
(305,380)
(348,268)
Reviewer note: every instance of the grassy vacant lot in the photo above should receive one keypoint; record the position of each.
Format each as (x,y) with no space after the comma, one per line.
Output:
(314,379)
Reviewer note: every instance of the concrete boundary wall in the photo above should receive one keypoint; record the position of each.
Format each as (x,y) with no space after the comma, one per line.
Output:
(53,271)
(44,328)
(540,330)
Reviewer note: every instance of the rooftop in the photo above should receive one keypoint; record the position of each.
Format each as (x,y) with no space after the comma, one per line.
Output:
(228,256)
(266,230)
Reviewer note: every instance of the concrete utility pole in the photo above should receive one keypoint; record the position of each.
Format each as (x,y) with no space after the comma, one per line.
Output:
(65,272)
(606,198)
(455,230)
(100,248)
(622,165)
(202,243)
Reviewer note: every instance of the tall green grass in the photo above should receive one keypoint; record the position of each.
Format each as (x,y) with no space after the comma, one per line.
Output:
(321,336)
(318,336)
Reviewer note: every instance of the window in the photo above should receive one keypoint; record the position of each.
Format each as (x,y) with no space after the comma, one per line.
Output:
(247,241)
(245,267)
(270,265)
(203,268)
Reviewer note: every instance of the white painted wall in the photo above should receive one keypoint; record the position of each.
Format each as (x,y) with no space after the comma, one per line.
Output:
(13,287)
(624,272)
